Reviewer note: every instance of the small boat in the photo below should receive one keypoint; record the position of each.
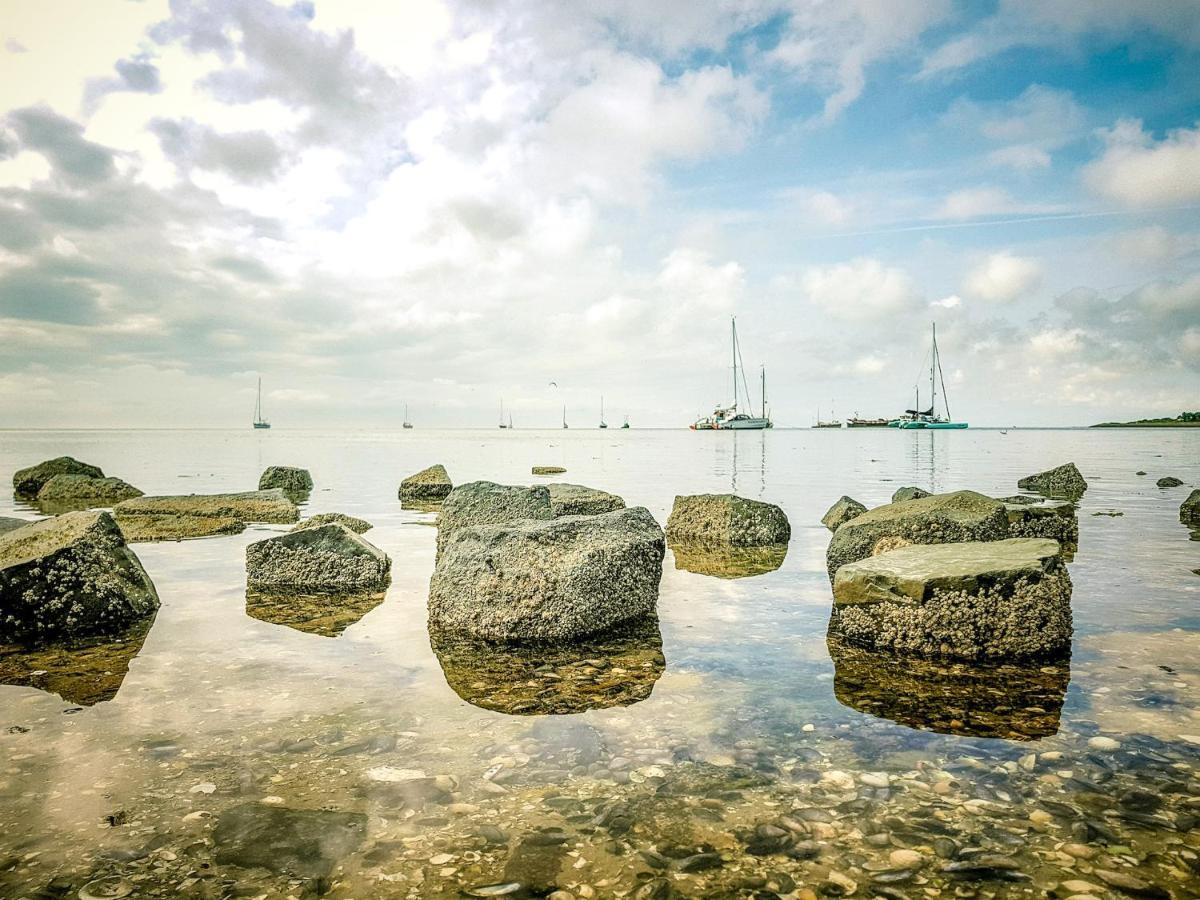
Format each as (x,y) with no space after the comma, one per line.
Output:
(407,424)
(259,421)
(832,423)
(727,418)
(626,425)
(855,422)
(603,424)
(564,417)
(502,425)
(929,418)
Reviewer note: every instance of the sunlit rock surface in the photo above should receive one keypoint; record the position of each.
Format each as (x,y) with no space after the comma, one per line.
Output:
(618,668)
(64,492)
(580,500)
(326,614)
(1063,482)
(1013,702)
(488,503)
(845,509)
(1041,518)
(293,481)
(327,558)
(726,560)
(909,493)
(427,486)
(70,576)
(999,600)
(727,519)
(358,526)
(28,481)
(182,516)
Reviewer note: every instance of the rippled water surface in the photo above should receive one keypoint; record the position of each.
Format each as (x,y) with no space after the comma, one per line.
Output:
(246,747)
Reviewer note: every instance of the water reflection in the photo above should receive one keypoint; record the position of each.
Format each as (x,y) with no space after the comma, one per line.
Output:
(619,668)
(83,672)
(1015,702)
(726,560)
(325,614)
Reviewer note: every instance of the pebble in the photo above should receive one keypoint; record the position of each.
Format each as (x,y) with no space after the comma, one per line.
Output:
(1079,851)
(843,781)
(905,859)
(1106,744)
(1078,886)
(875,779)
(441,859)
(205,787)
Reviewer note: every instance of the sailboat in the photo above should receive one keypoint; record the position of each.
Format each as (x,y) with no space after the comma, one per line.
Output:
(407,424)
(832,423)
(603,424)
(259,421)
(564,416)
(727,417)
(502,425)
(626,425)
(929,418)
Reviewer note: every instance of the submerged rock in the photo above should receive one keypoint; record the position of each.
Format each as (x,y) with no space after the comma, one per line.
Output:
(578,500)
(428,485)
(1064,482)
(324,559)
(200,515)
(1008,701)
(288,479)
(487,503)
(70,576)
(85,489)
(909,493)
(617,668)
(27,482)
(726,560)
(325,614)
(1189,510)
(842,511)
(727,519)
(306,843)
(1000,600)
(8,523)
(558,580)
(547,470)
(938,519)
(1169,482)
(358,526)
(1054,519)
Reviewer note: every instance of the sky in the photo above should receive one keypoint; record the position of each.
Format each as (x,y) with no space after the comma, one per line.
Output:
(451,205)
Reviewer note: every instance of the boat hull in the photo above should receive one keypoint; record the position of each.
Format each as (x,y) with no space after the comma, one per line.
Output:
(933,425)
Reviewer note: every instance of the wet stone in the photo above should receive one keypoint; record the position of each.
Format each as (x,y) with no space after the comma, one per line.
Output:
(302,842)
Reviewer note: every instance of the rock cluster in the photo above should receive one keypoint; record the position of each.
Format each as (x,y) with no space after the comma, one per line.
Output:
(27,482)
(173,518)
(488,503)
(70,576)
(1064,482)
(288,479)
(325,558)
(727,519)
(358,526)
(532,579)
(427,486)
(578,500)
(845,509)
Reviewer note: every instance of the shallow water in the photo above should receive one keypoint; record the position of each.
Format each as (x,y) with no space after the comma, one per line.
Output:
(722,753)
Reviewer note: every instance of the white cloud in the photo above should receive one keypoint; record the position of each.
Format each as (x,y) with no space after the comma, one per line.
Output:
(1153,244)
(862,289)
(1138,171)
(1002,278)
(951,302)
(1168,298)
(1021,157)
(970,203)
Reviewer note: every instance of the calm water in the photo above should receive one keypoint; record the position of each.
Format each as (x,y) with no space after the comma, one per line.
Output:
(746,762)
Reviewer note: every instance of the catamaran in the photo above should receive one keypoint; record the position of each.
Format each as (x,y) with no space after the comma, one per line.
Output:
(727,417)
(929,418)
(259,421)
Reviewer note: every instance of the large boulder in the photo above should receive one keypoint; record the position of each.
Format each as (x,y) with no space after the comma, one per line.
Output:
(68,577)
(487,503)
(1063,482)
(172,518)
(977,601)
(427,486)
(842,511)
(578,500)
(85,489)
(530,580)
(938,519)
(1054,519)
(27,482)
(909,493)
(328,558)
(289,479)
(358,526)
(727,519)
(1189,510)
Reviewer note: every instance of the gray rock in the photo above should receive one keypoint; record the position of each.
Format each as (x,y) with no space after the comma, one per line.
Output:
(939,519)
(306,843)
(1189,510)
(1063,482)
(558,580)
(547,470)
(83,488)
(288,479)
(1054,519)
(428,485)
(199,515)
(27,482)
(70,576)
(993,601)
(487,503)
(358,526)
(843,511)
(578,500)
(1169,482)
(727,519)
(909,493)
(326,558)
(7,523)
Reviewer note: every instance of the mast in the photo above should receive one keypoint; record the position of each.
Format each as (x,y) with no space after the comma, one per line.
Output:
(763,375)
(258,402)
(932,369)
(733,353)
(564,415)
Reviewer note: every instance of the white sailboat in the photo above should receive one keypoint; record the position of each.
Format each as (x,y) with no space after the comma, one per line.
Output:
(407,424)
(726,418)
(259,421)
(930,418)
(603,424)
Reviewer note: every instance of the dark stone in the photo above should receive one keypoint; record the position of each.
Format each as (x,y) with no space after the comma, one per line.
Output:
(27,482)
(306,843)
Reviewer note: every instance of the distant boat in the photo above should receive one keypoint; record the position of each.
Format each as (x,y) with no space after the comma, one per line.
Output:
(726,418)
(855,422)
(626,425)
(564,417)
(832,423)
(510,422)
(929,418)
(259,421)
(603,424)
(502,425)
(407,424)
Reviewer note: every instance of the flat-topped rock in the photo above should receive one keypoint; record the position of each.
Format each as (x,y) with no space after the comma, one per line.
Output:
(994,600)
(85,489)
(289,479)
(326,558)
(199,515)
(547,470)
(842,511)
(532,580)
(937,519)
(488,503)
(1189,510)
(727,519)
(1064,482)
(358,526)
(70,576)
(27,482)
(1054,519)
(579,500)
(427,486)
(909,493)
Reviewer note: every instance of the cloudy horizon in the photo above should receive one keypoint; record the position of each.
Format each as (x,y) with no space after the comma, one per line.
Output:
(451,205)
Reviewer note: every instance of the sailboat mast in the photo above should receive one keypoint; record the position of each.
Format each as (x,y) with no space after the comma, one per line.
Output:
(933,363)
(764,391)
(258,402)
(733,353)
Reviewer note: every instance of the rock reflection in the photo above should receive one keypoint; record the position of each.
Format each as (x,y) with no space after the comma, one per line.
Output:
(726,560)
(1015,702)
(84,672)
(619,668)
(325,614)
